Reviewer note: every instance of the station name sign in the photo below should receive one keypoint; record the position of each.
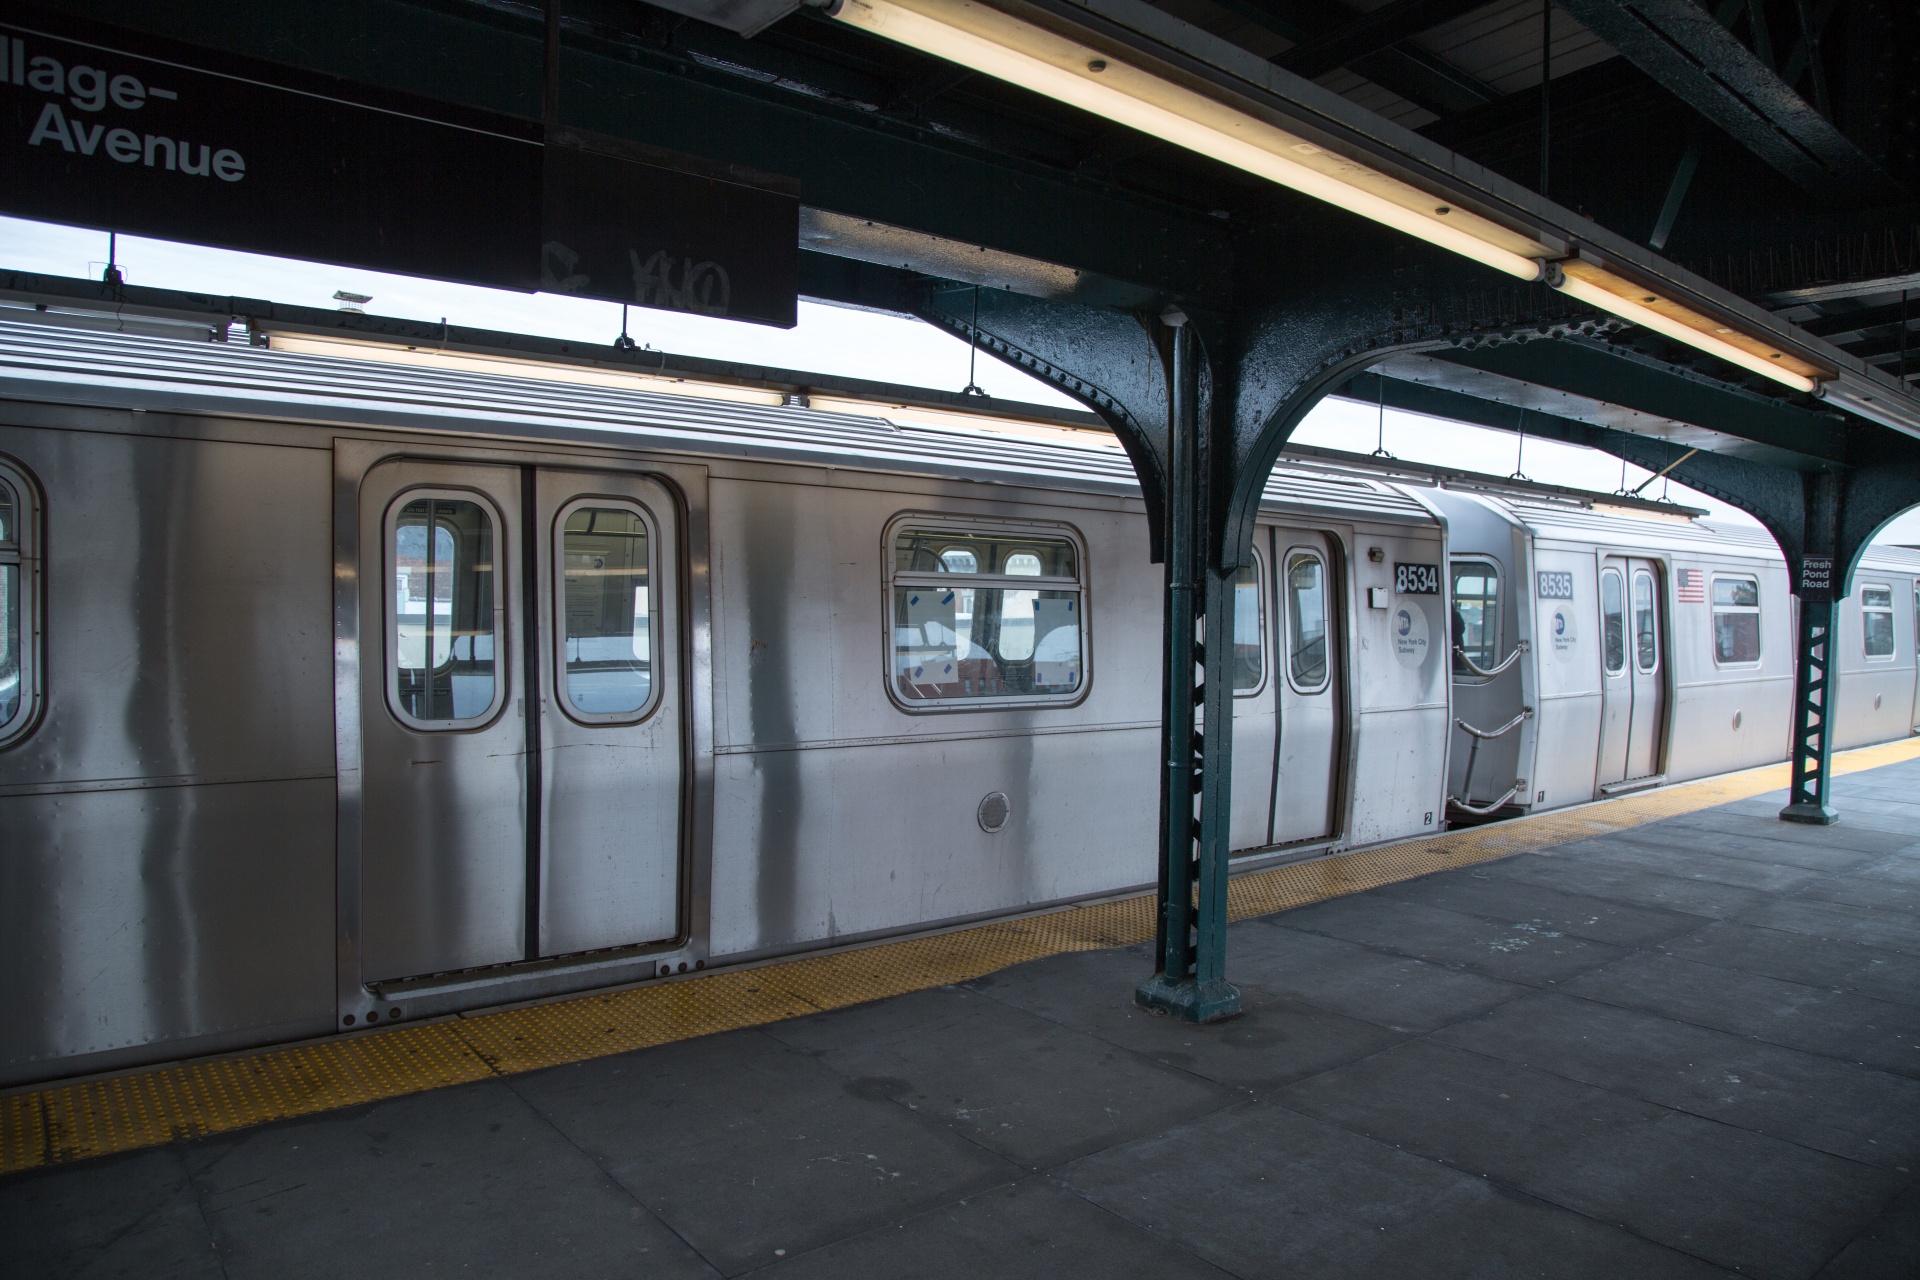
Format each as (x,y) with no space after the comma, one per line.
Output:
(118,130)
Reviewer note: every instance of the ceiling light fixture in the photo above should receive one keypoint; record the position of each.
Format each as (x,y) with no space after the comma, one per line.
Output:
(1006,48)
(1598,287)
(997,44)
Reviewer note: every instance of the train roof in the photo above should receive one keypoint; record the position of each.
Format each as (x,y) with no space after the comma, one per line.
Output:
(1632,529)
(51,362)
(1891,556)
(1608,526)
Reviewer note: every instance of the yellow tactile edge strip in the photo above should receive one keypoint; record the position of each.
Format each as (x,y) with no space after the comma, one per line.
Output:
(62,1123)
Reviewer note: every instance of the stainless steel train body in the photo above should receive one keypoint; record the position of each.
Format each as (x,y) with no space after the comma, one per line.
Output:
(350,691)
(1635,650)
(345,690)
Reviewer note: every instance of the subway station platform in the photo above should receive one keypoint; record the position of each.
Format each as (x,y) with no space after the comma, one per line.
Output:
(1666,1035)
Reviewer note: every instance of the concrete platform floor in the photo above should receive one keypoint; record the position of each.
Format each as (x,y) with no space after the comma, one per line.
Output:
(1688,1049)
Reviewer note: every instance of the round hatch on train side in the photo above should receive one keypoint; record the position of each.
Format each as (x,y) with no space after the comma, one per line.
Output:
(994,811)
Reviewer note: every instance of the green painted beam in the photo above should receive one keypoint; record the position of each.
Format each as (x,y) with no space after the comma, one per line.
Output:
(1637,382)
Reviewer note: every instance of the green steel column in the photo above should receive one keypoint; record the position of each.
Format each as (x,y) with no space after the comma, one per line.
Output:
(1173,955)
(1813,680)
(1190,952)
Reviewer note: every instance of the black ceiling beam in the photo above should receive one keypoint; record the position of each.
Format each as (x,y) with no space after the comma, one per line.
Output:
(1866,318)
(1372,33)
(1687,51)
(1891,344)
(1427,81)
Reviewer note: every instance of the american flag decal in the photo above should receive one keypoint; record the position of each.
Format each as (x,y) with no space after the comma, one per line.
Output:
(1692,586)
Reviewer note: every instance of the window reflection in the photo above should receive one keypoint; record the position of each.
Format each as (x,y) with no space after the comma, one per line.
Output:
(966,624)
(1613,621)
(1306,621)
(9,606)
(1476,615)
(1248,655)
(1876,617)
(445,642)
(1736,620)
(1646,635)
(607,636)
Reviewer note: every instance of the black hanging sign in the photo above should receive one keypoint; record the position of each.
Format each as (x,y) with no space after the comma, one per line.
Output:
(119,130)
(622,223)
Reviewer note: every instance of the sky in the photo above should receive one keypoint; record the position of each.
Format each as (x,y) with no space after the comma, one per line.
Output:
(828,339)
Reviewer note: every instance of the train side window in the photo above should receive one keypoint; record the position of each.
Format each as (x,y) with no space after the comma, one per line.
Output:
(19,629)
(1476,615)
(606,608)
(986,614)
(1646,624)
(1613,621)
(444,654)
(1306,621)
(1736,620)
(1249,630)
(1876,619)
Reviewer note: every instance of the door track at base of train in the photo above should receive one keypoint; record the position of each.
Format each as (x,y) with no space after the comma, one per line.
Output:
(150,1106)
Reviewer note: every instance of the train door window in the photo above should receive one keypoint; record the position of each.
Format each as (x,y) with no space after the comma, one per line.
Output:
(1613,622)
(1476,615)
(444,659)
(1306,621)
(606,612)
(1646,624)
(1736,620)
(18,633)
(1249,626)
(1876,619)
(981,613)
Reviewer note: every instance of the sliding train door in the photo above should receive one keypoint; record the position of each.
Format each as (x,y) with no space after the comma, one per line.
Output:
(610,722)
(1633,670)
(519,711)
(1287,684)
(1308,682)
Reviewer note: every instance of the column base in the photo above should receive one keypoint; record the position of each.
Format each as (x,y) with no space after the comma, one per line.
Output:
(1818,815)
(1189,999)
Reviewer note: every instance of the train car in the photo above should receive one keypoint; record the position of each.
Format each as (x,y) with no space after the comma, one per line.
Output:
(348,690)
(337,690)
(1877,632)
(1601,651)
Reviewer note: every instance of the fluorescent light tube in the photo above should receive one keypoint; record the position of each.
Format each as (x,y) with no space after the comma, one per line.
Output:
(1006,48)
(1598,287)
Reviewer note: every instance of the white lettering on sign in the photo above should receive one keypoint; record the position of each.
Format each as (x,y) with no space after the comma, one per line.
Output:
(1816,573)
(1553,584)
(1416,579)
(89,89)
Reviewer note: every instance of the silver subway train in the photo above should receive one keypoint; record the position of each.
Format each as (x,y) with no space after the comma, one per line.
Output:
(340,690)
